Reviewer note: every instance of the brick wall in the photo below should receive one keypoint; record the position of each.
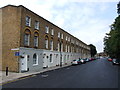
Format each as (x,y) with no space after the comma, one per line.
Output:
(42,34)
(11,37)
(13,30)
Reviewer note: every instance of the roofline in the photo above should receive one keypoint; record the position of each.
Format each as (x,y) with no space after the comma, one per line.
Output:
(8,6)
(44,19)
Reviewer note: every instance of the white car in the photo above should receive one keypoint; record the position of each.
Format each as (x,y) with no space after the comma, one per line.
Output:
(75,62)
(82,61)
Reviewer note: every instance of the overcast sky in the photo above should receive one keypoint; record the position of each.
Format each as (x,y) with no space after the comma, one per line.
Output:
(88,20)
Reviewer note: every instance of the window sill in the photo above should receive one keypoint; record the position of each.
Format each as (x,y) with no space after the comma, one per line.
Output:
(36,29)
(27,46)
(28,26)
(36,47)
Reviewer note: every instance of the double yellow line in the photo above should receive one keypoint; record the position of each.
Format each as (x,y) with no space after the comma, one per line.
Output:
(17,79)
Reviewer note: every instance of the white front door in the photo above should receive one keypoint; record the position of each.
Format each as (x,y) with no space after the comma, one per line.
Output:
(57,59)
(24,63)
(45,63)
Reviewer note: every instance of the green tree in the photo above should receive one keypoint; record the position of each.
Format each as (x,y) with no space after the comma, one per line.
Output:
(93,50)
(112,39)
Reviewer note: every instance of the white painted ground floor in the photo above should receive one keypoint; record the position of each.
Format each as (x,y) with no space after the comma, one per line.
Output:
(31,59)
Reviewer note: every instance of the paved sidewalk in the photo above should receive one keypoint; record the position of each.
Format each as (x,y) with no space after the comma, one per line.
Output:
(13,76)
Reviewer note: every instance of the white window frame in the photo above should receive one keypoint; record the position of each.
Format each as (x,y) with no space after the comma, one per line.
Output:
(36,24)
(69,39)
(28,21)
(27,39)
(52,31)
(61,36)
(46,43)
(58,34)
(58,46)
(66,48)
(46,29)
(66,38)
(35,41)
(36,61)
(51,45)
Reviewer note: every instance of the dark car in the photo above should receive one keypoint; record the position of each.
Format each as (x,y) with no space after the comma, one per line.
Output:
(116,62)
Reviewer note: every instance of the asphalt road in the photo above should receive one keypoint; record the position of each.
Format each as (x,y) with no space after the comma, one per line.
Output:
(94,74)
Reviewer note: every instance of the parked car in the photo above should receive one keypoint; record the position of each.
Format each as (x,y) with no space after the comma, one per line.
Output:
(76,62)
(91,59)
(86,60)
(82,61)
(109,59)
(116,62)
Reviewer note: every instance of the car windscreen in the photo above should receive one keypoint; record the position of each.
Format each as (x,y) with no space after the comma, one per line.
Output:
(114,60)
(74,60)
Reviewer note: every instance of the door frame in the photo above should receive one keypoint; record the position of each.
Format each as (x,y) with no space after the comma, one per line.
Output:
(25,67)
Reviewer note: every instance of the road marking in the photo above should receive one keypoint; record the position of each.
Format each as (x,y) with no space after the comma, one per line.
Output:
(44,75)
(8,82)
(26,77)
(17,79)
(68,68)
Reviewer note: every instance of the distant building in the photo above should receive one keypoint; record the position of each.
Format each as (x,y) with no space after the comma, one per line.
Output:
(32,43)
(101,54)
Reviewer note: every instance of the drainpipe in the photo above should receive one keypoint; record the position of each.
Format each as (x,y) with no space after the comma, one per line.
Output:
(60,55)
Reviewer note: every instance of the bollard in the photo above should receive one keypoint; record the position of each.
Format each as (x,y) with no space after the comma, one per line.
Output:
(6,71)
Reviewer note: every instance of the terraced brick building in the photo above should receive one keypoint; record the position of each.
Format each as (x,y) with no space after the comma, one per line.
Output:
(32,43)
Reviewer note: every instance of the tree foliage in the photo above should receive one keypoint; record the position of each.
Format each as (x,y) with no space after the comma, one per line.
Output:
(112,40)
(93,50)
